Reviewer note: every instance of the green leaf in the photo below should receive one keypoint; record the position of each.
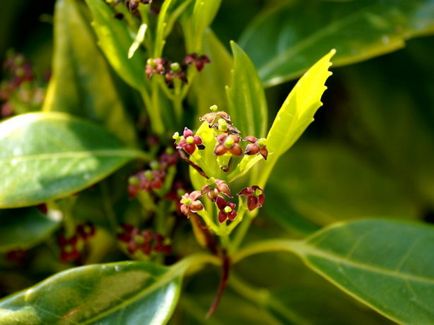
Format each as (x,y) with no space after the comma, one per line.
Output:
(208,87)
(296,114)
(197,20)
(284,41)
(81,86)
(45,156)
(397,128)
(323,182)
(115,40)
(116,293)
(24,228)
(170,11)
(294,295)
(206,158)
(246,96)
(386,265)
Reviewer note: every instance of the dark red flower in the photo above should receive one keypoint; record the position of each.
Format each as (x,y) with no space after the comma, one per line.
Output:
(228,143)
(68,248)
(145,241)
(227,209)
(255,197)
(198,60)
(146,181)
(188,141)
(256,146)
(85,230)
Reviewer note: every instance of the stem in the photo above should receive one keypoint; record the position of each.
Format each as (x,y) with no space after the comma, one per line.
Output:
(195,262)
(151,105)
(108,207)
(242,230)
(263,298)
(177,101)
(288,245)
(226,264)
(241,233)
(210,224)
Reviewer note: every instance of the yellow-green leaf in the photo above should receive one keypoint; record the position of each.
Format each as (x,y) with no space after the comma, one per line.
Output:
(81,86)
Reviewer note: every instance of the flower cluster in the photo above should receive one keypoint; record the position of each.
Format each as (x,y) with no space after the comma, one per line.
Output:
(144,241)
(152,179)
(19,87)
(174,70)
(228,141)
(71,247)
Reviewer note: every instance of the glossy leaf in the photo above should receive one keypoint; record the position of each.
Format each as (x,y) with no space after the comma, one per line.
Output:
(284,41)
(24,228)
(296,113)
(80,86)
(293,294)
(208,87)
(115,40)
(45,156)
(324,182)
(124,292)
(246,96)
(386,265)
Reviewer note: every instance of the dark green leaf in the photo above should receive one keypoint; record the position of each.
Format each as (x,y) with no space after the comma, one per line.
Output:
(115,40)
(117,293)
(81,86)
(24,228)
(285,41)
(397,129)
(294,294)
(386,265)
(325,182)
(45,156)
(246,96)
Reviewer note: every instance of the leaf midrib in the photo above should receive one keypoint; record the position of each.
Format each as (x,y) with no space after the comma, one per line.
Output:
(305,251)
(121,153)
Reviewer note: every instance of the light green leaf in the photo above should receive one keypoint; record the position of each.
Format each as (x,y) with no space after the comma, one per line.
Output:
(170,11)
(116,293)
(24,228)
(140,36)
(115,40)
(208,87)
(81,86)
(386,265)
(246,96)
(206,157)
(296,113)
(284,41)
(46,156)
(197,20)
